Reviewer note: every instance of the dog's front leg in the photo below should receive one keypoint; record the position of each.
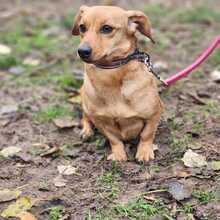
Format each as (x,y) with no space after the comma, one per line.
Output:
(117,146)
(86,131)
(145,150)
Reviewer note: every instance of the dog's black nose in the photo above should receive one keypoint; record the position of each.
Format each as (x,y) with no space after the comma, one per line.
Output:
(85,51)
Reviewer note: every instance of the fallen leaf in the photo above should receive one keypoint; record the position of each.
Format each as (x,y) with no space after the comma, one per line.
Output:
(37,149)
(31,61)
(195,146)
(75,99)
(4,50)
(26,216)
(8,195)
(215,165)
(66,122)
(179,191)
(59,181)
(8,109)
(10,151)
(215,75)
(4,122)
(13,210)
(66,170)
(192,159)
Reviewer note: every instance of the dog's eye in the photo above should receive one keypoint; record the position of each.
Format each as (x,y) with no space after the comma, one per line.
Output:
(82,28)
(106,29)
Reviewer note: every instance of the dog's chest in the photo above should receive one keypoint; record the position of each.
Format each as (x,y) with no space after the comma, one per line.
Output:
(129,98)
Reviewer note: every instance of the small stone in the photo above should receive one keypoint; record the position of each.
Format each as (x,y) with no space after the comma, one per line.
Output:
(179,191)
(215,75)
(8,109)
(4,50)
(16,70)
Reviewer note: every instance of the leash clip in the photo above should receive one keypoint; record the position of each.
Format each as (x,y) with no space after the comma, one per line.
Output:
(150,67)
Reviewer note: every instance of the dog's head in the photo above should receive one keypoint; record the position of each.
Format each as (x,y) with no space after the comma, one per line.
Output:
(108,33)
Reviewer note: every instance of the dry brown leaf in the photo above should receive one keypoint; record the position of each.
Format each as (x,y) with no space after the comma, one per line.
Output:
(75,99)
(65,122)
(26,216)
(192,159)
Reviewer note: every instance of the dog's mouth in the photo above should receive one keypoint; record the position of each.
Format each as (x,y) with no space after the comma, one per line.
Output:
(101,61)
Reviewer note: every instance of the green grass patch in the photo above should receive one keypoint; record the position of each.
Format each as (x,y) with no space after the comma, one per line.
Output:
(7,61)
(68,80)
(56,213)
(212,108)
(138,209)
(181,142)
(188,208)
(23,43)
(156,12)
(67,20)
(203,196)
(215,58)
(51,112)
(199,14)
(109,181)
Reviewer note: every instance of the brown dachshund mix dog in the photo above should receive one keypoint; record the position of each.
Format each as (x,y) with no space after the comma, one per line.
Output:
(123,103)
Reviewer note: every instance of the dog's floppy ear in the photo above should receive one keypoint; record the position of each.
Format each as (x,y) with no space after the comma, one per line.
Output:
(141,22)
(82,9)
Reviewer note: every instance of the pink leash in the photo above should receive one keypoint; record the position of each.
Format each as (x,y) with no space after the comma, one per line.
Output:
(184,73)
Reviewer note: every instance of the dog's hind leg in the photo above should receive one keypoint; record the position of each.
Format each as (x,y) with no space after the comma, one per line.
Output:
(145,150)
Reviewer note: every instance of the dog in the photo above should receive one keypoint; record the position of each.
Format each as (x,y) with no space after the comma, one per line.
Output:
(122,102)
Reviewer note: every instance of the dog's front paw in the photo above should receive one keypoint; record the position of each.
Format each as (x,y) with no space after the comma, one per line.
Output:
(145,153)
(119,156)
(86,133)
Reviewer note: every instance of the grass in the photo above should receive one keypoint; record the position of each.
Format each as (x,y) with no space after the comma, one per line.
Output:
(199,14)
(67,20)
(7,61)
(138,209)
(214,58)
(51,112)
(203,196)
(212,108)
(109,181)
(156,12)
(56,213)
(188,208)
(181,142)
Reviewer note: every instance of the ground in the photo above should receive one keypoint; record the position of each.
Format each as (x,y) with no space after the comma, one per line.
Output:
(35,92)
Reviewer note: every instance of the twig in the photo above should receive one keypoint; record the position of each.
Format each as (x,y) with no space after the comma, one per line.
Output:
(155,191)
